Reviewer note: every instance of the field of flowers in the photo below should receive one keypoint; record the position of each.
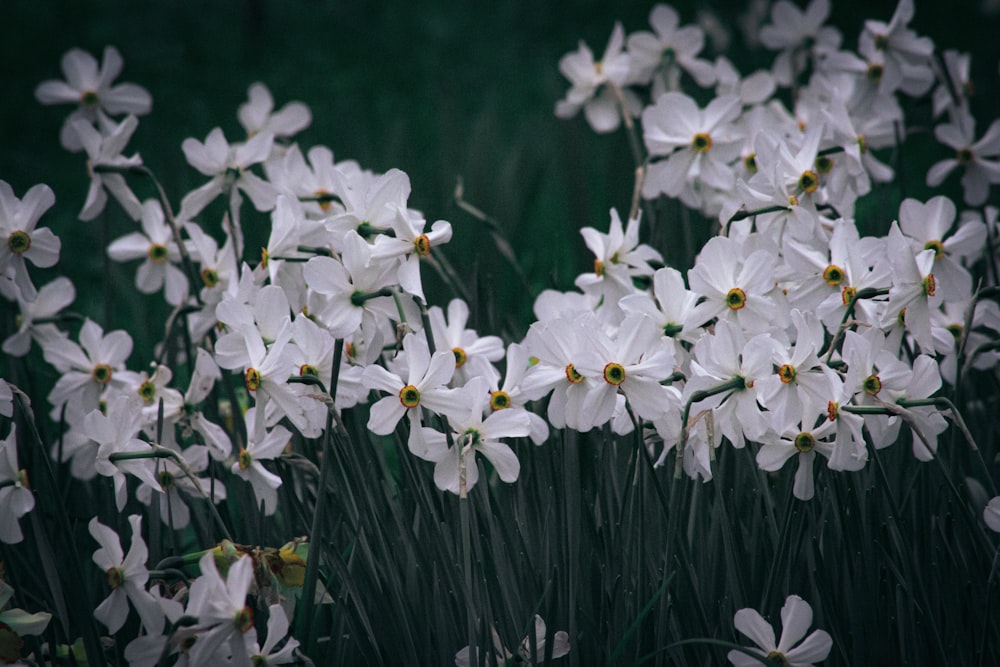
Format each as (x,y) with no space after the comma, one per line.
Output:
(758,427)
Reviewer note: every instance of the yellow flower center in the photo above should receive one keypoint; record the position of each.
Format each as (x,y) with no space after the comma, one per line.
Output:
(833,275)
(786,373)
(210,278)
(804,442)
(929,285)
(936,246)
(736,298)
(499,400)
(460,356)
(101,374)
(572,375)
(614,374)
(116,577)
(245,458)
(147,391)
(423,245)
(252,379)
(409,396)
(808,181)
(872,385)
(847,294)
(157,253)
(19,242)
(701,143)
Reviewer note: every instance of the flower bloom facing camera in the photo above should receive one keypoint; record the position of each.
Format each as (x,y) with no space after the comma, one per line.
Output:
(796,617)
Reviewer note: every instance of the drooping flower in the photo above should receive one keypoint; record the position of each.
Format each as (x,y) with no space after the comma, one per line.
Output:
(16,622)
(16,499)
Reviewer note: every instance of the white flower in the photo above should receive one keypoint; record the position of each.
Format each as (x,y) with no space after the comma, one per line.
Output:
(796,617)
(51,299)
(977,158)
(16,499)
(228,167)
(127,577)
(156,245)
(261,446)
(592,83)
(18,622)
(20,241)
(456,468)
(105,150)
(92,91)
(257,114)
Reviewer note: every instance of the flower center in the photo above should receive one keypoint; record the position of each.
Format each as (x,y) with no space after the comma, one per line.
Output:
(409,396)
(750,163)
(116,577)
(777,658)
(499,400)
(423,245)
(736,298)
(670,329)
(614,374)
(598,268)
(804,442)
(252,379)
(786,373)
(955,330)
(210,277)
(862,143)
(847,294)
(929,285)
(308,369)
(245,458)
(881,42)
(324,201)
(147,391)
(19,242)
(157,253)
(101,374)
(243,620)
(833,275)
(166,480)
(964,156)
(936,246)
(460,356)
(824,164)
(808,181)
(832,410)
(572,375)
(875,72)
(701,143)
(872,385)
(88,98)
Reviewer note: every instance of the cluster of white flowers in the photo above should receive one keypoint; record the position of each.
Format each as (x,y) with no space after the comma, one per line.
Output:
(791,331)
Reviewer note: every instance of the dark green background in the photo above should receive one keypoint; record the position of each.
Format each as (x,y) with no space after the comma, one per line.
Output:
(438,89)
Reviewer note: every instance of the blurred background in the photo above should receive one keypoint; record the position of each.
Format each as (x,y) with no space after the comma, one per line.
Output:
(439,89)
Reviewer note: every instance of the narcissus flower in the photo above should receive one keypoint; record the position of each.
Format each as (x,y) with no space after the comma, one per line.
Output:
(796,617)
(16,499)
(14,623)
(92,91)
(127,576)
(20,240)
